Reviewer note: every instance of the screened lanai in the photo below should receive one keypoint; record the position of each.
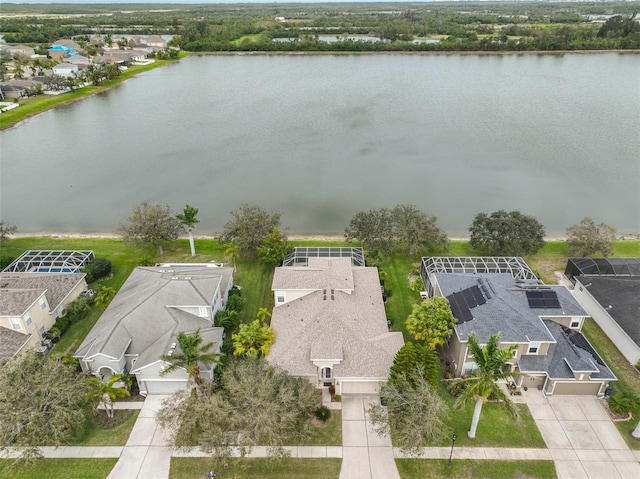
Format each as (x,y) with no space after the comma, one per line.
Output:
(48,261)
(300,255)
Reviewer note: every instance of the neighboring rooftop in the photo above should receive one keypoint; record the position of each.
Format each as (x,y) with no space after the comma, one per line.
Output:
(504,305)
(620,296)
(602,266)
(11,342)
(19,290)
(48,261)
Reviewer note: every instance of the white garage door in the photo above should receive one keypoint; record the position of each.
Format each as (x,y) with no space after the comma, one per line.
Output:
(164,387)
(356,387)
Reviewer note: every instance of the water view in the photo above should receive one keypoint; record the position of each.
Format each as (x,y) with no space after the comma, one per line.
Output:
(322,137)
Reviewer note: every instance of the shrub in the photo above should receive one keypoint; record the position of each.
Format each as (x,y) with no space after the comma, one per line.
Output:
(323,413)
(235,292)
(98,268)
(234,303)
(6,260)
(622,403)
(78,308)
(337,397)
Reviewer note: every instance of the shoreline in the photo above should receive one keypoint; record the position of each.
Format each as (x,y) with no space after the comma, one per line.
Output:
(294,237)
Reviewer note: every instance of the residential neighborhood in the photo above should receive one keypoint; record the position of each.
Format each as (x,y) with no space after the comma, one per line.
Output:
(332,330)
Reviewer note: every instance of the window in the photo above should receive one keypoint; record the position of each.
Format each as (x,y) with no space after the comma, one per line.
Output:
(326,373)
(533,348)
(575,323)
(515,353)
(62,309)
(27,319)
(16,323)
(203,312)
(43,303)
(42,332)
(280,297)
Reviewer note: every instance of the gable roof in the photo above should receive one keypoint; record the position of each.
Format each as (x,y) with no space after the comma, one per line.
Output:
(571,353)
(622,293)
(151,307)
(347,326)
(507,309)
(19,290)
(11,342)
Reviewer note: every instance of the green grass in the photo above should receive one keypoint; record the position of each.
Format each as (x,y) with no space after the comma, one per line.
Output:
(96,436)
(61,469)
(196,468)
(628,377)
(476,469)
(37,104)
(327,434)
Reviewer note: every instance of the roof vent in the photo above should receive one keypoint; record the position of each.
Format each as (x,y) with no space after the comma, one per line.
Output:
(170,353)
(173,345)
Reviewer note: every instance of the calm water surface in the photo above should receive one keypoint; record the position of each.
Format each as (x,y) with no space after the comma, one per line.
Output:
(322,137)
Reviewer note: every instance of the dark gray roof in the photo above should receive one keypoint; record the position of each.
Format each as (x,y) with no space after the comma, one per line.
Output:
(622,293)
(570,353)
(11,342)
(507,309)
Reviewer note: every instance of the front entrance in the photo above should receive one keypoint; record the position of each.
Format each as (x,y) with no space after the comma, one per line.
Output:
(326,377)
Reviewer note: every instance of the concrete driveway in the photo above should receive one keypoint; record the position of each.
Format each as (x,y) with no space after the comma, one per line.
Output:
(364,454)
(583,441)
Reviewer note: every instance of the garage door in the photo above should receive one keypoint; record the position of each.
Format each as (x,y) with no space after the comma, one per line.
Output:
(364,387)
(577,388)
(164,387)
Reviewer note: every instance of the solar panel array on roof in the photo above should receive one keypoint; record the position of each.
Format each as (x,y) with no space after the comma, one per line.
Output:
(463,301)
(547,299)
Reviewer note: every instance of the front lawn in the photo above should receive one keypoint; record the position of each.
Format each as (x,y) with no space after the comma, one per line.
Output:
(327,434)
(61,469)
(474,469)
(195,468)
(628,377)
(94,435)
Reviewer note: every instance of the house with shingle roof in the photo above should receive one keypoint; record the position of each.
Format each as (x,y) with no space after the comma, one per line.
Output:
(330,324)
(30,304)
(144,319)
(490,296)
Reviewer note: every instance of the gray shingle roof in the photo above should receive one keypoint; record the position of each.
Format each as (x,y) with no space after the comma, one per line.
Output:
(149,310)
(350,326)
(11,342)
(623,294)
(564,357)
(19,290)
(507,311)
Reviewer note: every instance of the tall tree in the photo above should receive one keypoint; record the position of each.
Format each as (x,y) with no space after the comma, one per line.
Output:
(505,233)
(481,384)
(416,230)
(249,227)
(188,220)
(107,393)
(414,414)
(189,356)
(151,224)
(42,401)
(587,238)
(6,230)
(261,404)
(412,357)
(431,321)
(374,228)
(253,339)
(274,249)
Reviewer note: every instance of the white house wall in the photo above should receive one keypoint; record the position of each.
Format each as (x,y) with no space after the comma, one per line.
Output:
(168,384)
(612,329)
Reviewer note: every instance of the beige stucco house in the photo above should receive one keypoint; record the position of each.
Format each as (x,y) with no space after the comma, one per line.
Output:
(329,321)
(491,295)
(144,319)
(30,303)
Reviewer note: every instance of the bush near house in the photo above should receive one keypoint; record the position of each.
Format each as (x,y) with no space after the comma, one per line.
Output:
(96,269)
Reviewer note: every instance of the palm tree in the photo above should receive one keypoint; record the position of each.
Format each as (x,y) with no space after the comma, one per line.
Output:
(104,297)
(107,392)
(232,252)
(189,220)
(481,384)
(193,352)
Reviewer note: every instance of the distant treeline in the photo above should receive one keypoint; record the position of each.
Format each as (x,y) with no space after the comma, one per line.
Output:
(400,27)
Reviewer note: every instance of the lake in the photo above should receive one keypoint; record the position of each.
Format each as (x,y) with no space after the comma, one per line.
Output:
(320,137)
